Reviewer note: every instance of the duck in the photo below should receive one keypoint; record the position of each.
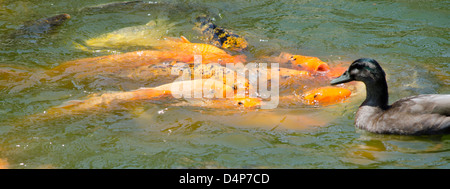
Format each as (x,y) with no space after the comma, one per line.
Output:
(425,114)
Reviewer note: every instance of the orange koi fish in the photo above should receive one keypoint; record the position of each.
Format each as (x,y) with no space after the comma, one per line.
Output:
(286,72)
(325,95)
(309,63)
(172,50)
(111,63)
(209,53)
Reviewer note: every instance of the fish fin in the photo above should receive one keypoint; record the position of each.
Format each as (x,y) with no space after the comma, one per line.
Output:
(80,46)
(70,103)
(184,39)
(151,23)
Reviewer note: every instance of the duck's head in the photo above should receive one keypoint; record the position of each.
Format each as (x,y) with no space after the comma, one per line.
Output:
(366,70)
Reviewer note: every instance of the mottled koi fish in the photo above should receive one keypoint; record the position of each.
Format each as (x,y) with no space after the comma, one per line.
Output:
(219,36)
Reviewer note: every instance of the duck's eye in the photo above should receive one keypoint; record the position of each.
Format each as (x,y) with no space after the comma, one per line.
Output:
(240,103)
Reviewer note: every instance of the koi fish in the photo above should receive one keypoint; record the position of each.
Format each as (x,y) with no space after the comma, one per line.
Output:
(125,71)
(209,53)
(309,63)
(219,36)
(106,64)
(148,35)
(286,73)
(325,95)
(179,51)
(41,26)
(15,79)
(166,90)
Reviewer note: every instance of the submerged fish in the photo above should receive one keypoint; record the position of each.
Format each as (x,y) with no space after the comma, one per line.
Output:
(113,5)
(219,36)
(41,26)
(325,95)
(137,66)
(148,35)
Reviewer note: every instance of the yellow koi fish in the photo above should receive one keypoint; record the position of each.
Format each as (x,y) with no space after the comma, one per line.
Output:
(148,35)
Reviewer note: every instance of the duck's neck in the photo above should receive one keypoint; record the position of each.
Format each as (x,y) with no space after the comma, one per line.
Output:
(377,94)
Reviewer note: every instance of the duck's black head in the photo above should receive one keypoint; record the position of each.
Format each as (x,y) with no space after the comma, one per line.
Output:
(370,72)
(366,70)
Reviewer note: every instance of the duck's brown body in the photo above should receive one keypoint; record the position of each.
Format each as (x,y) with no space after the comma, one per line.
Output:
(423,114)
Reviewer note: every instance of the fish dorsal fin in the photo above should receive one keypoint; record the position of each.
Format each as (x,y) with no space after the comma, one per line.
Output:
(71,103)
(184,39)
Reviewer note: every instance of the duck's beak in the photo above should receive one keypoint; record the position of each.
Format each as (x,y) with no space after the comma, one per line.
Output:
(344,78)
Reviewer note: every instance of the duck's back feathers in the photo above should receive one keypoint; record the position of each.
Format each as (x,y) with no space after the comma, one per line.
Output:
(423,114)
(423,104)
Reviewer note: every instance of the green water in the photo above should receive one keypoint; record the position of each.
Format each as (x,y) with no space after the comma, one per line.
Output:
(409,38)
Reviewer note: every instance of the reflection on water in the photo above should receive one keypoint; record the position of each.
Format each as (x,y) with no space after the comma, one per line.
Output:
(371,150)
(409,39)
